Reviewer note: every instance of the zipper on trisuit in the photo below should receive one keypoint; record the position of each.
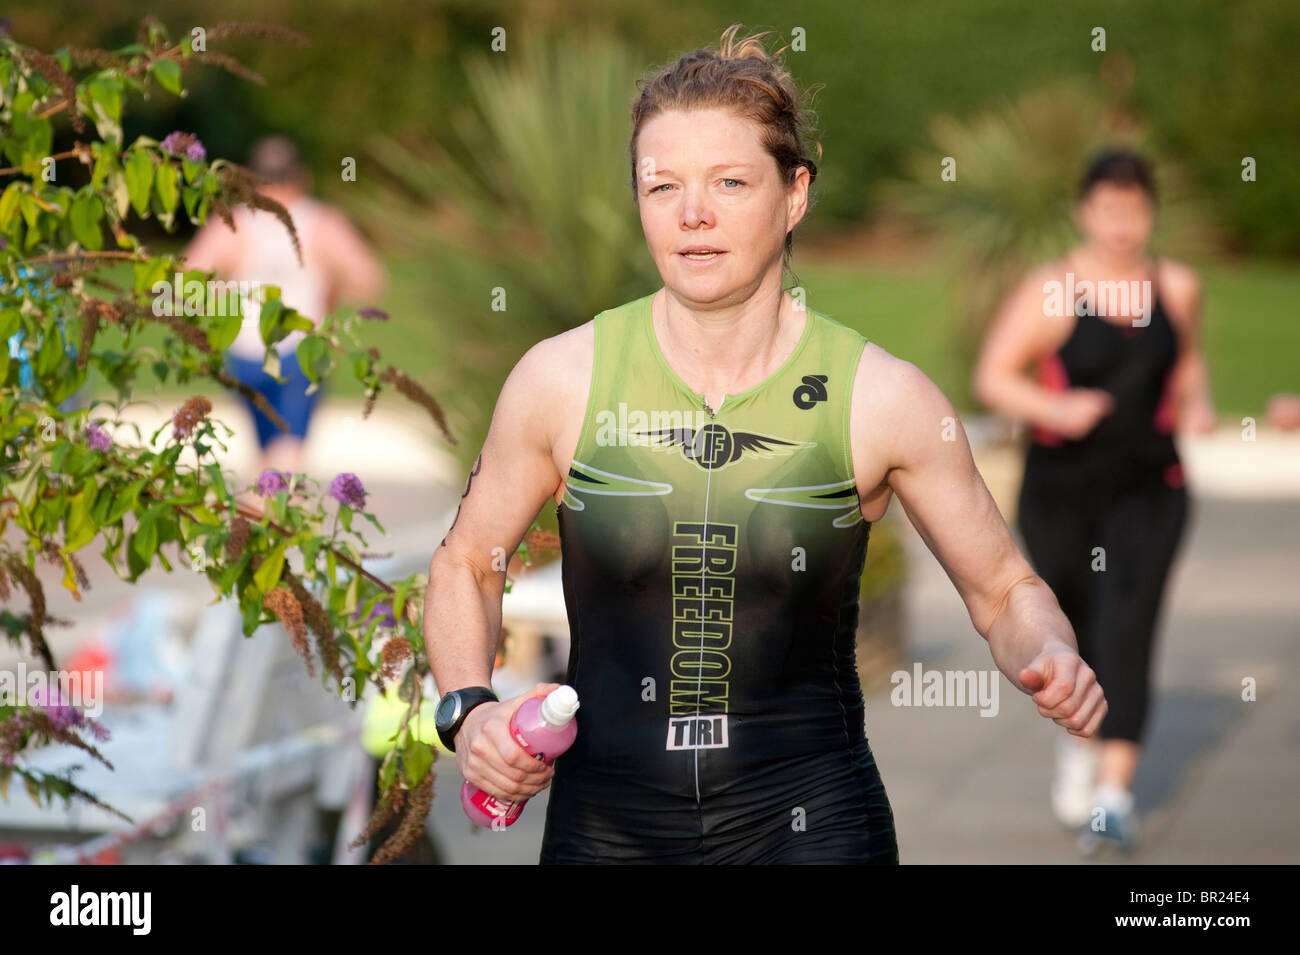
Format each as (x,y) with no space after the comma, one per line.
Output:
(708,482)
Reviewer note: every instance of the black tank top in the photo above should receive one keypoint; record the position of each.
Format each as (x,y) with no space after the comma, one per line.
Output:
(1134,361)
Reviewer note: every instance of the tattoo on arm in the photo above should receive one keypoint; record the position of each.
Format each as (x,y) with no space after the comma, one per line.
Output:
(478,466)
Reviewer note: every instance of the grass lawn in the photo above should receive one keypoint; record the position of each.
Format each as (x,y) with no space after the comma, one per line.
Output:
(1252,337)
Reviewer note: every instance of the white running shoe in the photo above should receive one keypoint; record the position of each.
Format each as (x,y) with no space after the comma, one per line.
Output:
(1115,821)
(1072,784)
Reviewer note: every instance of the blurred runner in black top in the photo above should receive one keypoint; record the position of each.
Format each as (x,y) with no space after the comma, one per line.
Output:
(1103,504)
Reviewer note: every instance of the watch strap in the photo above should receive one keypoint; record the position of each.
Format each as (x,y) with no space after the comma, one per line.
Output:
(470,697)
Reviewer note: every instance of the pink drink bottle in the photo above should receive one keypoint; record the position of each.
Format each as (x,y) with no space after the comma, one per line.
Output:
(545,727)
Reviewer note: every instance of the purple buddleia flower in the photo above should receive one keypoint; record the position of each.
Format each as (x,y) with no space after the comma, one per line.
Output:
(61,713)
(271,482)
(97,438)
(100,732)
(347,489)
(63,716)
(382,610)
(179,143)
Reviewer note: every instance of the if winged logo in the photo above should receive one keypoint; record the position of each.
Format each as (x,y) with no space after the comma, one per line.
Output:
(713,446)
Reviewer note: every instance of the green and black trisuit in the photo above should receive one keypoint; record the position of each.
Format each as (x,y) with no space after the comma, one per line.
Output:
(711,565)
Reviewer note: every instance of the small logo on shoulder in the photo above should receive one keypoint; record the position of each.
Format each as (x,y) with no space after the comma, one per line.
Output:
(810,392)
(697,732)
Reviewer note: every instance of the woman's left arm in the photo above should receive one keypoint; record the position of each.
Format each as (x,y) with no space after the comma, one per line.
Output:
(1191,374)
(930,468)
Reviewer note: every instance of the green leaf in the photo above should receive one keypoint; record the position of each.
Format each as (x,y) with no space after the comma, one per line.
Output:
(361,364)
(24,490)
(105,162)
(30,210)
(80,528)
(103,501)
(121,194)
(354,588)
(204,514)
(144,541)
(139,180)
(10,321)
(313,357)
(417,757)
(69,575)
(168,75)
(218,479)
(388,771)
(190,197)
(84,218)
(168,193)
(223,331)
(126,500)
(295,322)
(278,505)
(104,93)
(271,322)
(148,273)
(252,614)
(9,204)
(267,575)
(51,353)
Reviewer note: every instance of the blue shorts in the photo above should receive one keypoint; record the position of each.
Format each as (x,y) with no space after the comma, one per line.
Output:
(290,400)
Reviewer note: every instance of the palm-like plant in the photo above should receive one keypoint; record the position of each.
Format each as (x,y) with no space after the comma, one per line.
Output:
(530,196)
(534,195)
(1016,169)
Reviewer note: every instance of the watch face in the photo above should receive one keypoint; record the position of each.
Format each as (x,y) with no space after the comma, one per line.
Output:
(445,714)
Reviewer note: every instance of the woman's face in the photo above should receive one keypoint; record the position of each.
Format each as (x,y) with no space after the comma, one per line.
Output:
(1116,218)
(705,182)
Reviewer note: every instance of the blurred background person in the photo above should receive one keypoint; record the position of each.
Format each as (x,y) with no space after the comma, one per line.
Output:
(337,266)
(1103,504)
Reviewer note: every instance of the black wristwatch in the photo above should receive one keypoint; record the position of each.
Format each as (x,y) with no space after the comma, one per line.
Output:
(454,707)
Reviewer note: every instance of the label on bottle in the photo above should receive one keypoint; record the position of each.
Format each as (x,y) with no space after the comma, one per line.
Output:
(496,808)
(519,738)
(490,805)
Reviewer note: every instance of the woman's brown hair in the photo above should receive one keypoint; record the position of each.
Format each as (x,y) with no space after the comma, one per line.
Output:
(742,77)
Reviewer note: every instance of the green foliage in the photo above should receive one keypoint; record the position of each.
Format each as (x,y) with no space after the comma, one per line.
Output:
(528,210)
(69,478)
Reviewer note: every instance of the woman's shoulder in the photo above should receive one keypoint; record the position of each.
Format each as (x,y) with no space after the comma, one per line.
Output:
(887,381)
(567,353)
(1180,287)
(1038,278)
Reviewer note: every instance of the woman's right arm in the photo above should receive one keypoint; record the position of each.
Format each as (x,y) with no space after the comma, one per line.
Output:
(513,477)
(1022,331)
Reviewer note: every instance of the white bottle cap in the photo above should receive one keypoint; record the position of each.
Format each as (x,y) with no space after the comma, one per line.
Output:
(560,705)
